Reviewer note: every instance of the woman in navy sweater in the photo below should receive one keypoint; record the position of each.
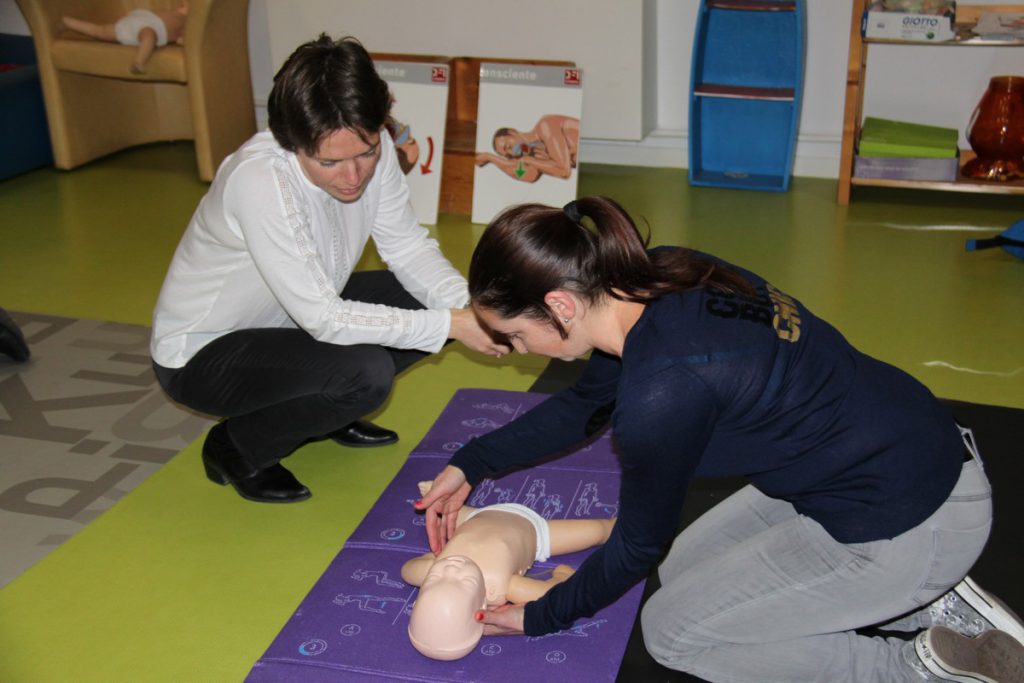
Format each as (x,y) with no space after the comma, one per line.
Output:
(865,506)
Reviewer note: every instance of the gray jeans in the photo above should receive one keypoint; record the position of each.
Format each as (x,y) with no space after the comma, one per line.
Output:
(753,592)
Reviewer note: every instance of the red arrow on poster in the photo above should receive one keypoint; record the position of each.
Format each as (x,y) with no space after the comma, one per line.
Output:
(425,168)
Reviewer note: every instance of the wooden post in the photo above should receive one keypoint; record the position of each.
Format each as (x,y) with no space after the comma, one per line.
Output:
(854,102)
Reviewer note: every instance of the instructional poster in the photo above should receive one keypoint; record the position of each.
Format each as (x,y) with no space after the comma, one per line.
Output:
(418,121)
(527,136)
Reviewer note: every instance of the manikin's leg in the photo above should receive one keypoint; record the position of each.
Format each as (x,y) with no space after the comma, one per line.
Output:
(97,31)
(571,535)
(147,44)
(566,536)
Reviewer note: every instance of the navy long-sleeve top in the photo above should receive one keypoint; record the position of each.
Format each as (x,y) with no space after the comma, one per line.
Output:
(713,384)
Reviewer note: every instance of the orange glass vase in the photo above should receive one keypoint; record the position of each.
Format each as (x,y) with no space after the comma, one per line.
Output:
(996,132)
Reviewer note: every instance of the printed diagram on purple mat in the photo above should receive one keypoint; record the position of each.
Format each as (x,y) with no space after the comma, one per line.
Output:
(352,626)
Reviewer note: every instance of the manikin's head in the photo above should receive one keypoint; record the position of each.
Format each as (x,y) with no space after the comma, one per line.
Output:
(442,625)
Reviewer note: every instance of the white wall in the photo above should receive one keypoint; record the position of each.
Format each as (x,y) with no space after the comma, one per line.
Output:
(11,20)
(605,39)
(635,112)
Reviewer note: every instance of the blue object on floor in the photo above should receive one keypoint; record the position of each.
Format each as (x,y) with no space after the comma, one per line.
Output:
(24,135)
(1011,240)
(746,87)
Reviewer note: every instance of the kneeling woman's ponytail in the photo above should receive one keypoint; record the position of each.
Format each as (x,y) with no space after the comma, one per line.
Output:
(590,247)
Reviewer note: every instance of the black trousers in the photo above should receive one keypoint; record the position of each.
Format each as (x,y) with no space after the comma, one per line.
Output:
(279,388)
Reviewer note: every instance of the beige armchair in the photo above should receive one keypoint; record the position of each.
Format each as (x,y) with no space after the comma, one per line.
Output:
(94,106)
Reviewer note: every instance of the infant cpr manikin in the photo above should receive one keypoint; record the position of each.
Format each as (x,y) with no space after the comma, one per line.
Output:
(483,566)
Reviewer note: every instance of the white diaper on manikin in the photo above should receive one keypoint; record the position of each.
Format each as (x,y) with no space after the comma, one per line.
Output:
(128,27)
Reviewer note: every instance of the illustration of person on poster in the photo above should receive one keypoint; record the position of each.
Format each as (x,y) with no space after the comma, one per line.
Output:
(548,148)
(406,147)
(527,136)
(417,127)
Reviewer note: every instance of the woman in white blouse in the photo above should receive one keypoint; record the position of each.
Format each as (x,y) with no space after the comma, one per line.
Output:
(261,320)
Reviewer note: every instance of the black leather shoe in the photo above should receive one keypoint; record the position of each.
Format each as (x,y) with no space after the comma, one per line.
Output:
(363,434)
(225,465)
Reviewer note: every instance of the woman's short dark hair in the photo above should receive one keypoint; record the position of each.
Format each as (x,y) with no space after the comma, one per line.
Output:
(324,86)
(591,248)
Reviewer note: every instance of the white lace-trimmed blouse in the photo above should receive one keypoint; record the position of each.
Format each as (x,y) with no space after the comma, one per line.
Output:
(268,249)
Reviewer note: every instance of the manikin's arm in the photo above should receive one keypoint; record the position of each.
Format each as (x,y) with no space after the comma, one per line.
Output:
(523,589)
(570,535)
(415,570)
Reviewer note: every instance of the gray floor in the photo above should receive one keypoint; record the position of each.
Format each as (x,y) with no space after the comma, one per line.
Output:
(82,423)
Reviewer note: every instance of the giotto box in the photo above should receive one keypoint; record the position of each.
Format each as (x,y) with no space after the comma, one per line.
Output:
(926,28)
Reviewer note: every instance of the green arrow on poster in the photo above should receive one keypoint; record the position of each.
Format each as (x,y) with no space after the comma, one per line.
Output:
(520,171)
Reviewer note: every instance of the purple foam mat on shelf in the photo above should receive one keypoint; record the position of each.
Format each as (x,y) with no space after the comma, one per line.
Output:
(352,626)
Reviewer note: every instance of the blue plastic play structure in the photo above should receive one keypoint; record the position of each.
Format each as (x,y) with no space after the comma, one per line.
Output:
(1011,240)
(745,91)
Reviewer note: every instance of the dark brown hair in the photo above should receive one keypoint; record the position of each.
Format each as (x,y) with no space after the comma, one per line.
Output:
(532,249)
(324,86)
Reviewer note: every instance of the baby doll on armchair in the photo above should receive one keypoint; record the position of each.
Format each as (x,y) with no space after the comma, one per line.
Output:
(483,565)
(143,28)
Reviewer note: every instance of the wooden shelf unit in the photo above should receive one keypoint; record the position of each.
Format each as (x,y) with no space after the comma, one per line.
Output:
(853,114)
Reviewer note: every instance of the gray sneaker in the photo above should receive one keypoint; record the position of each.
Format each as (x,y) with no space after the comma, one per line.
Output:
(970,611)
(945,655)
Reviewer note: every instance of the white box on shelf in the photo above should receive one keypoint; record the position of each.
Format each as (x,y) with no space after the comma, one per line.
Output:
(906,168)
(925,28)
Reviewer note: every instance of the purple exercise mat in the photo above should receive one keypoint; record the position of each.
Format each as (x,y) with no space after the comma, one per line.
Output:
(352,624)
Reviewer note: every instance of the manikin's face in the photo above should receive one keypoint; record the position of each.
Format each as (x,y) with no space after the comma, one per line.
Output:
(442,625)
(343,164)
(534,336)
